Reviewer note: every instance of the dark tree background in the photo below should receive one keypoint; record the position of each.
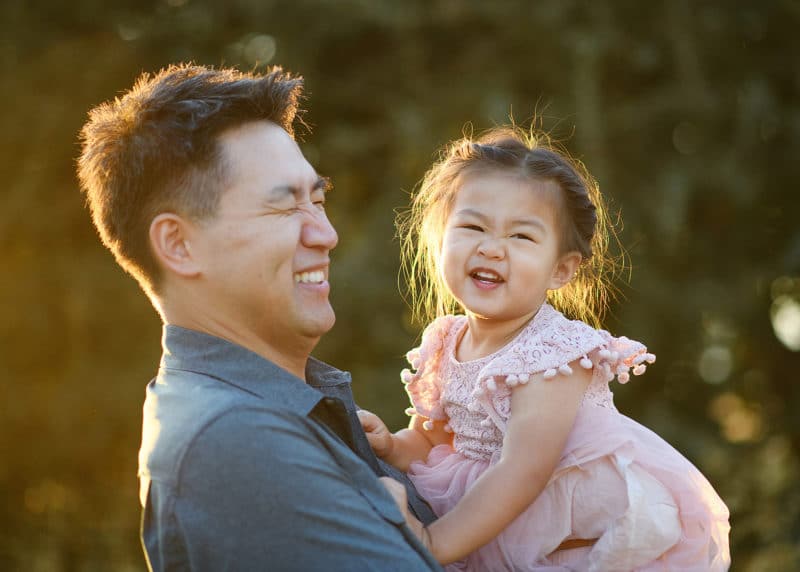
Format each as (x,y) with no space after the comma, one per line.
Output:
(686,112)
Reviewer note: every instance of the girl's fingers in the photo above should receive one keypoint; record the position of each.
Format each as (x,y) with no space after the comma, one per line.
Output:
(377,434)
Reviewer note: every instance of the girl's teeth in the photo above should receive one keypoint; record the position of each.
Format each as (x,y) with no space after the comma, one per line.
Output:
(487,276)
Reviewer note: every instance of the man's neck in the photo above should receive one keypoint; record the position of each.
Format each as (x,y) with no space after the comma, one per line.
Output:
(292,356)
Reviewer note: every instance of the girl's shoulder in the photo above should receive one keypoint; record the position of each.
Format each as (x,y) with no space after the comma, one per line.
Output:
(422,380)
(549,345)
(551,342)
(434,339)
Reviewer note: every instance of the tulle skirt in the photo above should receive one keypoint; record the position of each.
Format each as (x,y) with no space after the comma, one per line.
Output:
(617,481)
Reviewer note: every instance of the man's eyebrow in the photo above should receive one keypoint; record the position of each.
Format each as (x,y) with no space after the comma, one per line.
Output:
(322,183)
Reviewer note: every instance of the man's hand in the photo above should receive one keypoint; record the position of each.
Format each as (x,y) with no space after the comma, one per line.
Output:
(400,496)
(398,492)
(380,438)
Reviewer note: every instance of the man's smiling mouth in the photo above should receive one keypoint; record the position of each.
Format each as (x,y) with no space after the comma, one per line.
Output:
(315,277)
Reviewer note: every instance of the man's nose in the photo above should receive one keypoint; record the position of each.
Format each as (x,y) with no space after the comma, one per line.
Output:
(318,232)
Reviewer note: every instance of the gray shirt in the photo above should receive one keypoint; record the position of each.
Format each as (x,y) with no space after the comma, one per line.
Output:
(243,466)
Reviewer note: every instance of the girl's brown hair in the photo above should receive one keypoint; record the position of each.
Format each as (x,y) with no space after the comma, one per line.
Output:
(586,225)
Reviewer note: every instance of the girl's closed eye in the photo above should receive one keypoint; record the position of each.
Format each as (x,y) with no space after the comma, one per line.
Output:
(524,236)
(474,227)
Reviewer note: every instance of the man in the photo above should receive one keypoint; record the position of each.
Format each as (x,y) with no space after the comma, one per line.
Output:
(252,456)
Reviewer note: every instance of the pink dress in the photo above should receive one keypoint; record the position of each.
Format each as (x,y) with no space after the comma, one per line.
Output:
(617,481)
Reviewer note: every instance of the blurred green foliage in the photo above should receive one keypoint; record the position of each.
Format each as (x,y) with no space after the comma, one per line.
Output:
(686,112)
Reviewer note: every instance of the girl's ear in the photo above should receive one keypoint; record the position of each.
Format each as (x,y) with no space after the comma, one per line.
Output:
(169,241)
(565,269)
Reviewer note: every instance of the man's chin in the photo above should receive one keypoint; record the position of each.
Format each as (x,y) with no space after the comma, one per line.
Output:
(320,324)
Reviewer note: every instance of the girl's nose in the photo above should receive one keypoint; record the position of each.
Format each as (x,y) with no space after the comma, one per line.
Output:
(491,248)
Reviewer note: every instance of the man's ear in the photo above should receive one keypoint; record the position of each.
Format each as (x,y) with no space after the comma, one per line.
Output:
(169,241)
(565,269)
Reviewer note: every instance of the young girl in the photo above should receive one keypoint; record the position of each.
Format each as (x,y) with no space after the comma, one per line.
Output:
(514,438)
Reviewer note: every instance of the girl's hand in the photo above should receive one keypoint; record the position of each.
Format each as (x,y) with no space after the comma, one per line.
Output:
(407,445)
(544,412)
(380,438)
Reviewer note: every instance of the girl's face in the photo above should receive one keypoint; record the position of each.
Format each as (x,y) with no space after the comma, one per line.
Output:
(500,250)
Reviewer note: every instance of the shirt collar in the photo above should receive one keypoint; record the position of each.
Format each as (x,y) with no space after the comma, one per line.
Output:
(198,352)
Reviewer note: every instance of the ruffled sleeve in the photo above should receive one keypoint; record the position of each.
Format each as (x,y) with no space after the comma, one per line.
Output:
(548,345)
(424,383)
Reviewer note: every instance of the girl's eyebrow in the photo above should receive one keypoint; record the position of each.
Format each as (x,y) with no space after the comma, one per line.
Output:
(535,222)
(474,213)
(527,221)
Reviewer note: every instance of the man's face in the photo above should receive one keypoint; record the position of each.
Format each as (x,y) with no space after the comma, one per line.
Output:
(265,253)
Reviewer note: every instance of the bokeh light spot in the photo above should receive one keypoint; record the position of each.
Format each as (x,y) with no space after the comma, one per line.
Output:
(253,49)
(686,138)
(784,286)
(260,49)
(47,496)
(716,363)
(785,315)
(128,32)
(738,421)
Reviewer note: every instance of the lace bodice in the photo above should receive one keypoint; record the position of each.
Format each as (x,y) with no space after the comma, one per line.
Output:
(472,436)
(474,397)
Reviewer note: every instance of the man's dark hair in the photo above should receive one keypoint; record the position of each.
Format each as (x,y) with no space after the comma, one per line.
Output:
(156,149)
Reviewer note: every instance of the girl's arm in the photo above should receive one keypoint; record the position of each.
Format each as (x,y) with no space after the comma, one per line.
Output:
(407,445)
(542,415)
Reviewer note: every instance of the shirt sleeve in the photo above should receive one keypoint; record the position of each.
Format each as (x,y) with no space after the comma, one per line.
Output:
(260,489)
